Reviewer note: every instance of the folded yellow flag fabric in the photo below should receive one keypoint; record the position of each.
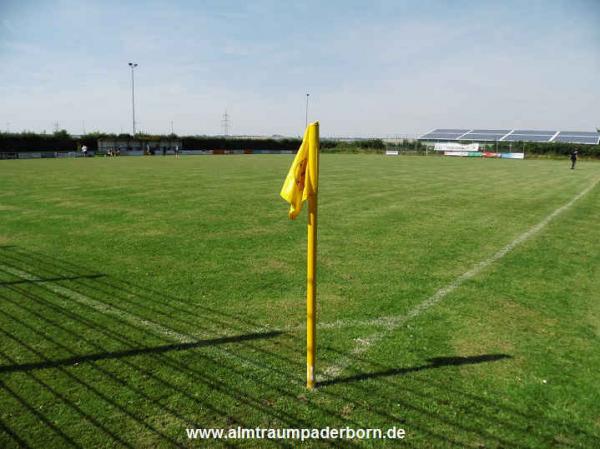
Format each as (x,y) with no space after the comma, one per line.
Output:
(302,179)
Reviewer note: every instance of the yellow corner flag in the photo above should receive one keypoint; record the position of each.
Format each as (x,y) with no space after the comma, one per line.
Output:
(301,184)
(302,179)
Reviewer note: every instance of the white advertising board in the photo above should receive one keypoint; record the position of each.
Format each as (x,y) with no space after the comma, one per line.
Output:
(456,153)
(513,155)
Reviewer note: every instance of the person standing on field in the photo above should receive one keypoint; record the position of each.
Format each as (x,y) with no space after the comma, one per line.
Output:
(84,150)
(573,159)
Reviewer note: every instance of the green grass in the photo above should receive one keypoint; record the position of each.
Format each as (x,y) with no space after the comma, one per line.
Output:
(142,296)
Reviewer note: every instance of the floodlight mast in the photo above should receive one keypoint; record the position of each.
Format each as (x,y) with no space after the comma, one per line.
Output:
(133,65)
(306,114)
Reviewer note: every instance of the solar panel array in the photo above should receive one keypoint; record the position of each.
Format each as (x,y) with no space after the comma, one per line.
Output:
(485,134)
(576,139)
(514,135)
(528,137)
(447,134)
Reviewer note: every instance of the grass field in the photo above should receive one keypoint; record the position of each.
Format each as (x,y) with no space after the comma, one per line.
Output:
(143,296)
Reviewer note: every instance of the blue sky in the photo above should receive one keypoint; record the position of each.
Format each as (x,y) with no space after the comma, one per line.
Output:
(372,68)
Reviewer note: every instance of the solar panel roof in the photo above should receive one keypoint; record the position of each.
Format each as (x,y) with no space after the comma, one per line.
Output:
(579,133)
(482,136)
(527,138)
(534,132)
(439,135)
(491,131)
(577,139)
(517,135)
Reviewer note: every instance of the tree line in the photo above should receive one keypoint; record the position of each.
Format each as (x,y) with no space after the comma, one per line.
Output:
(62,141)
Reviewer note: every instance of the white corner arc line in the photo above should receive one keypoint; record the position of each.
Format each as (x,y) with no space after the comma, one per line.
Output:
(394,322)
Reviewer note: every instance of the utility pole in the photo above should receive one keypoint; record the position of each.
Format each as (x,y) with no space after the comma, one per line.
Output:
(306,114)
(133,65)
(172,128)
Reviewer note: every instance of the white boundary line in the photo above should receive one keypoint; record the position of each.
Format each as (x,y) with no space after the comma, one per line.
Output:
(392,323)
(102,307)
(136,321)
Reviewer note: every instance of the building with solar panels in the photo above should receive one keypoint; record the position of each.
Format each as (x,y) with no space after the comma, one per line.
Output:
(487,136)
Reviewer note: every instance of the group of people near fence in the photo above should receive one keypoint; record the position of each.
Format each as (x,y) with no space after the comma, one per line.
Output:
(152,151)
(113,152)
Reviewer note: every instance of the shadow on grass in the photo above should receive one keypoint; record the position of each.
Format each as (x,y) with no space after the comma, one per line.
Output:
(436,362)
(491,418)
(52,279)
(70,361)
(232,386)
(60,313)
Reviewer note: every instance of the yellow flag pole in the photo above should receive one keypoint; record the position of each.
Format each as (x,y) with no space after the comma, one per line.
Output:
(311,292)
(311,271)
